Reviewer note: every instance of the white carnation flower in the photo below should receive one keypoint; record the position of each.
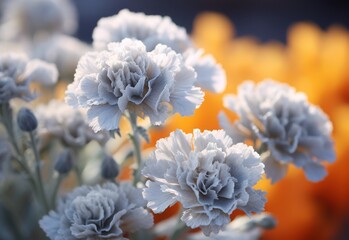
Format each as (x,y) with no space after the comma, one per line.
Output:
(101,212)
(17,72)
(154,29)
(283,125)
(208,174)
(126,77)
(58,120)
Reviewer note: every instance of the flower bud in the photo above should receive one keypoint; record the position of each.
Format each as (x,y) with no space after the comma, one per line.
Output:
(26,120)
(110,169)
(64,162)
(265,221)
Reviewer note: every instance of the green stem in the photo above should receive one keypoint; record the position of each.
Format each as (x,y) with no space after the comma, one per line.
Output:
(38,171)
(181,228)
(6,118)
(57,184)
(261,149)
(137,148)
(77,171)
(77,167)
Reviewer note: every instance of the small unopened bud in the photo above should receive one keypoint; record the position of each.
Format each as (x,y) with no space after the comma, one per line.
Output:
(26,120)
(265,221)
(64,162)
(110,169)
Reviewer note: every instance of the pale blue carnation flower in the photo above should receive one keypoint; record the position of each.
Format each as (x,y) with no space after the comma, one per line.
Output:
(283,125)
(17,72)
(208,174)
(155,29)
(59,120)
(126,77)
(101,212)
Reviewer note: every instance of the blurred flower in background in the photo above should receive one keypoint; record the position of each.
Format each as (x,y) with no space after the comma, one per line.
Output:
(68,125)
(28,18)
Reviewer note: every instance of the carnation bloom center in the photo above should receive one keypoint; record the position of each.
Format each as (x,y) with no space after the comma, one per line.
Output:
(208,180)
(128,80)
(97,212)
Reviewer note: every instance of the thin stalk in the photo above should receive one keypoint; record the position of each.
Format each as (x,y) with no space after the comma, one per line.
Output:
(137,148)
(6,118)
(56,186)
(178,234)
(77,168)
(262,148)
(38,171)
(77,171)
(181,228)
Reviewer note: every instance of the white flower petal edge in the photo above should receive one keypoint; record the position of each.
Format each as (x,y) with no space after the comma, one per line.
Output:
(208,174)
(41,72)
(150,29)
(211,75)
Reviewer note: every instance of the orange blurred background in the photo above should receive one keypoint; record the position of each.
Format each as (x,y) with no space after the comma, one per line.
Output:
(314,61)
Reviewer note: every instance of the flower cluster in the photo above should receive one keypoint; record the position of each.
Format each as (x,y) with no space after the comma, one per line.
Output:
(17,72)
(154,29)
(287,128)
(58,120)
(139,67)
(127,77)
(100,212)
(208,174)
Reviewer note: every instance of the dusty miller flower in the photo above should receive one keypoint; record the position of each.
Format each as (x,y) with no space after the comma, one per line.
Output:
(208,174)
(26,18)
(154,29)
(284,125)
(58,120)
(101,212)
(17,72)
(126,77)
